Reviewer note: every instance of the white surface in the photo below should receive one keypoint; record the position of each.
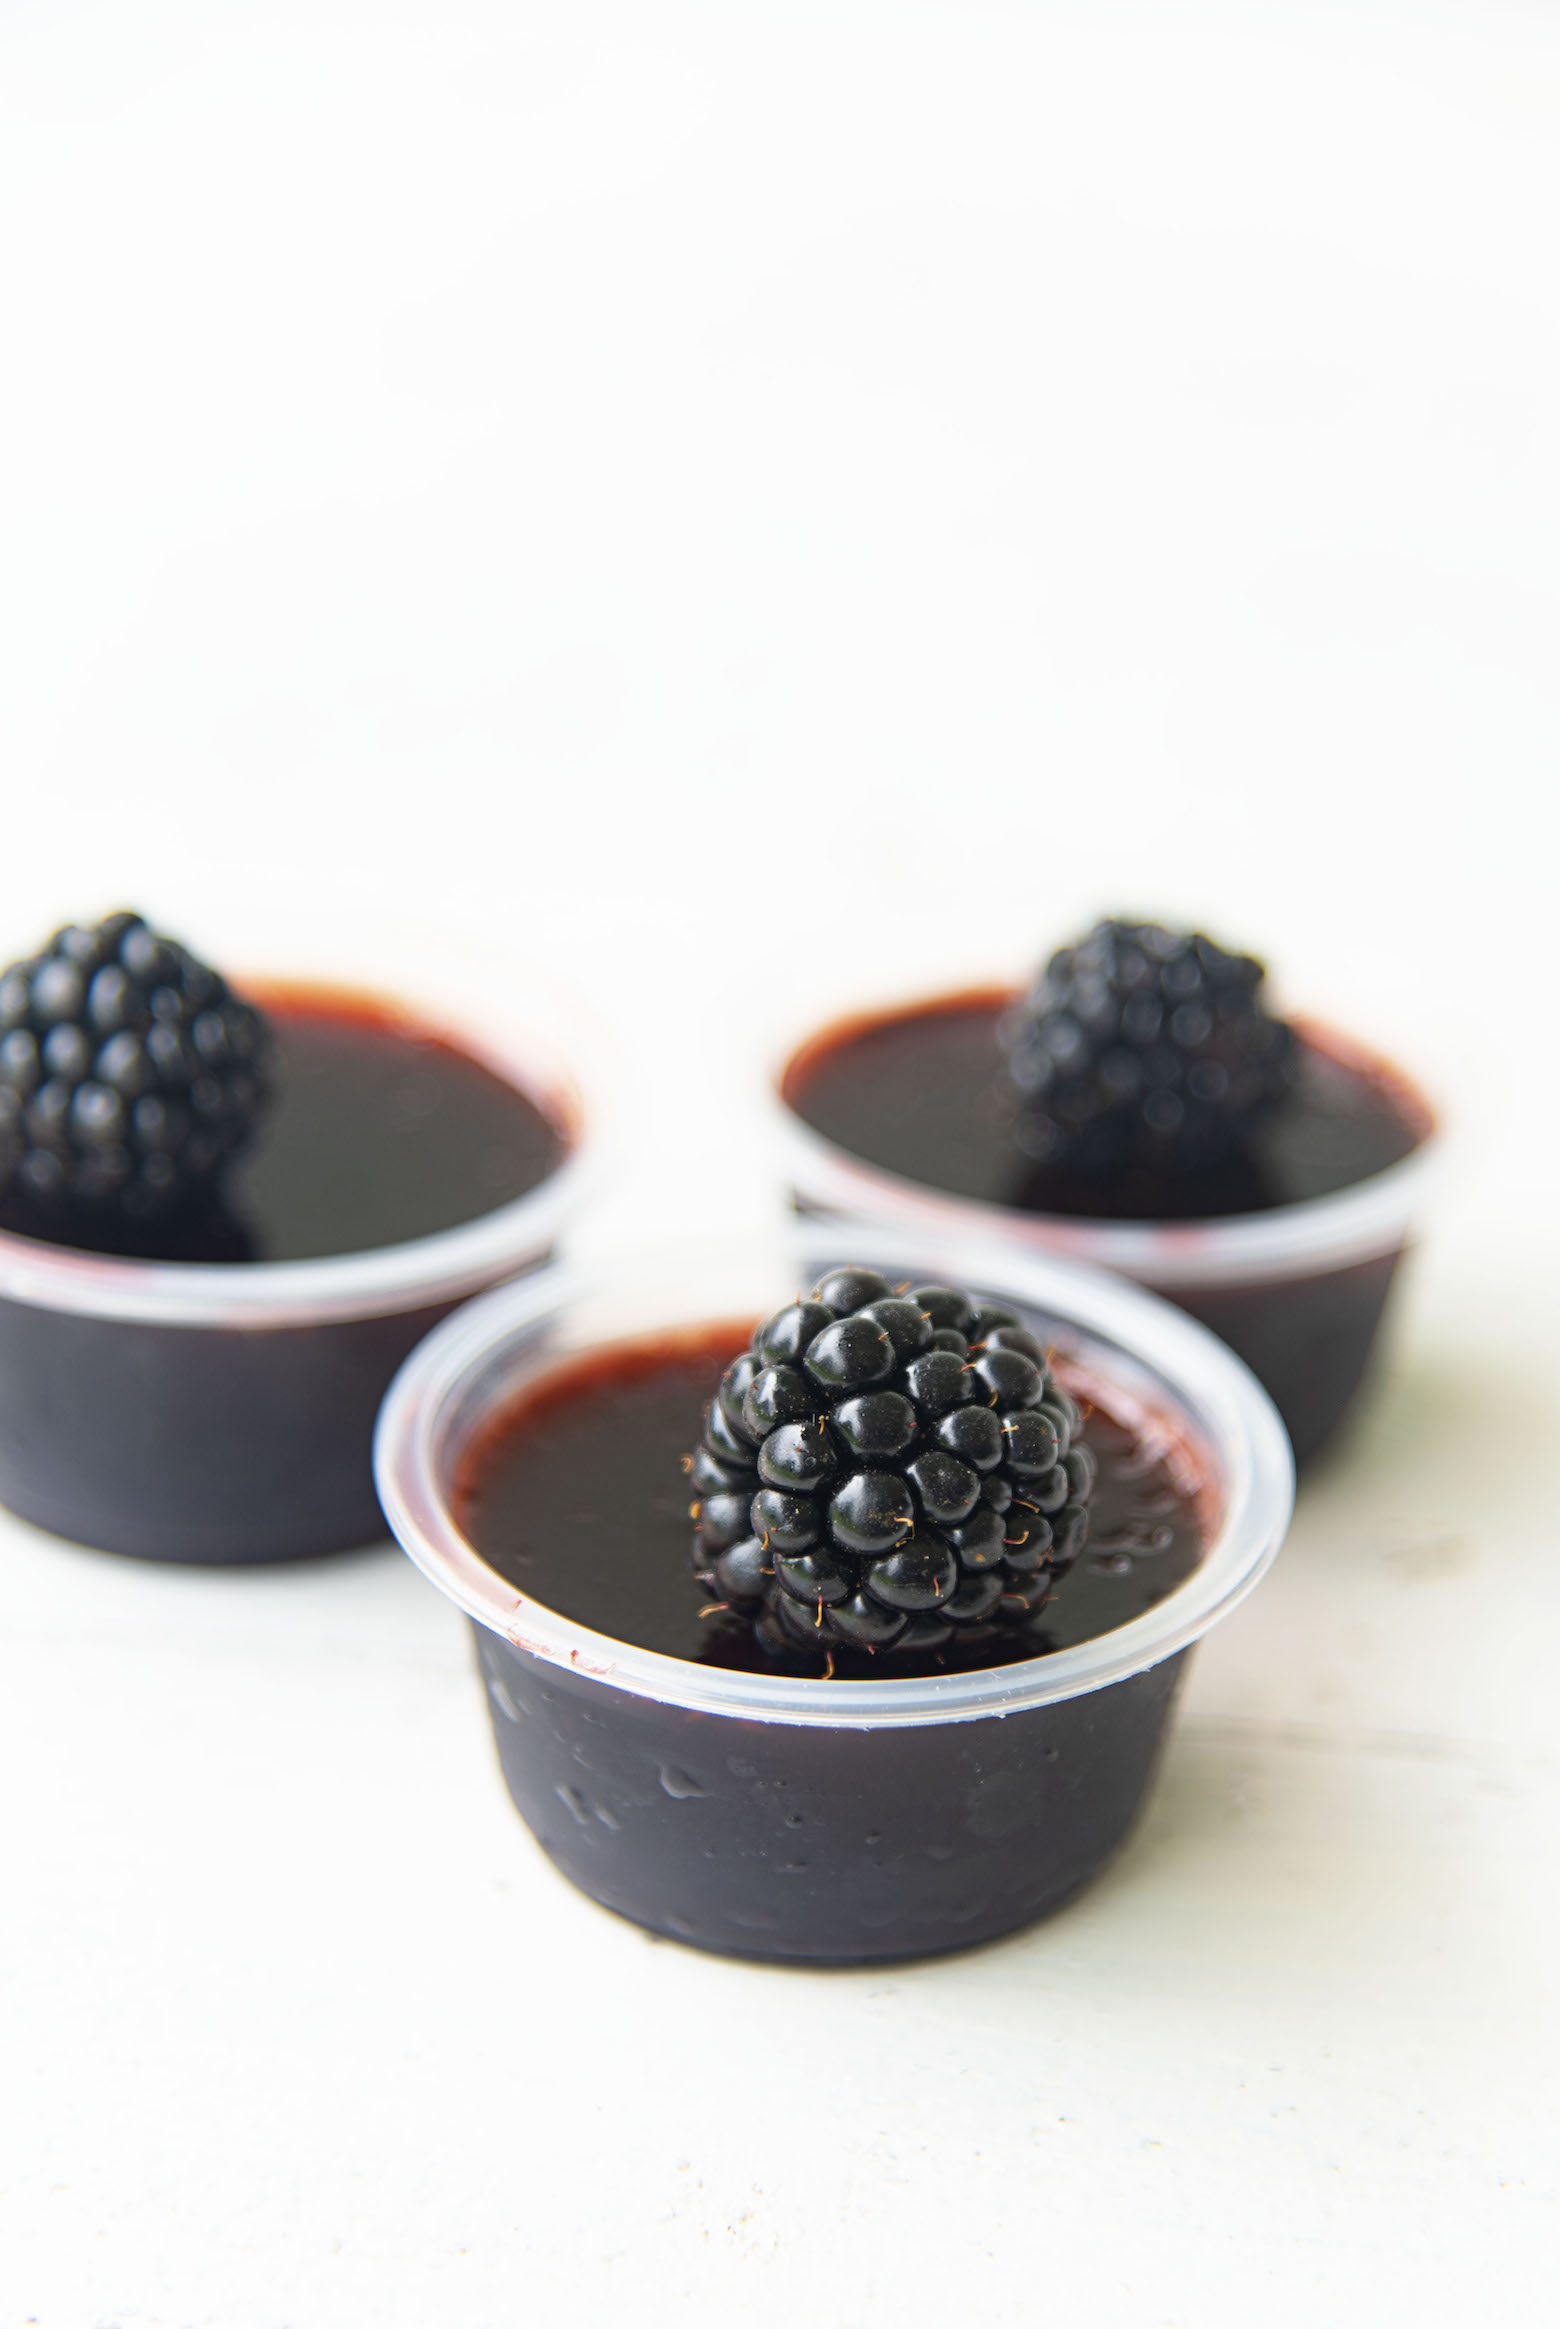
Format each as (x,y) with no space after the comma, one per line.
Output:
(751,504)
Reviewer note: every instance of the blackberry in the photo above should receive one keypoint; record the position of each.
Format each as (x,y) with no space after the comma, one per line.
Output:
(129,1074)
(887,1470)
(1142,1049)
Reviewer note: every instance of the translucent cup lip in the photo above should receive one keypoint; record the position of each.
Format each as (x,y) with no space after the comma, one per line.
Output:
(566,1080)
(1147,1349)
(1372,1218)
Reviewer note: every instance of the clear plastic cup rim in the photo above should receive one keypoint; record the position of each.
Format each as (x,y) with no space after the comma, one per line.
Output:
(568,1082)
(1149,1350)
(1370,1219)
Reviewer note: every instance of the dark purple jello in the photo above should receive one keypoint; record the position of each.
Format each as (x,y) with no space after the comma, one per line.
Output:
(528,1460)
(577,1494)
(1288,1251)
(205,1389)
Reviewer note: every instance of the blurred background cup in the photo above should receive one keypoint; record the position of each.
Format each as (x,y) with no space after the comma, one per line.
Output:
(223,1412)
(1297,1290)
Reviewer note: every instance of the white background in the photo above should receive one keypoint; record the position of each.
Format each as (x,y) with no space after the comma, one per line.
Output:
(749,506)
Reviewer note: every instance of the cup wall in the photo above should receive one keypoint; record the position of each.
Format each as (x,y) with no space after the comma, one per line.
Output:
(216,1445)
(817,1845)
(1309,1341)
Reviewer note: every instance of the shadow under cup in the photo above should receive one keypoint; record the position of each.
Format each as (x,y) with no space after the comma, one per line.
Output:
(825,1821)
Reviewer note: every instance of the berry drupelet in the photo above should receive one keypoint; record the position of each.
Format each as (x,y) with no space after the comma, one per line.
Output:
(1143,1049)
(129,1074)
(885,1471)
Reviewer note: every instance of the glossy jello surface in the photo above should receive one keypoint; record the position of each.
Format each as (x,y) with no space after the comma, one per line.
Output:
(920,1094)
(381,1131)
(577,1495)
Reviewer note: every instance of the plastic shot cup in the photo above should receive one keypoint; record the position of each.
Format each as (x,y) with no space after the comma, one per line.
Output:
(224,1412)
(824,1821)
(1298,1290)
